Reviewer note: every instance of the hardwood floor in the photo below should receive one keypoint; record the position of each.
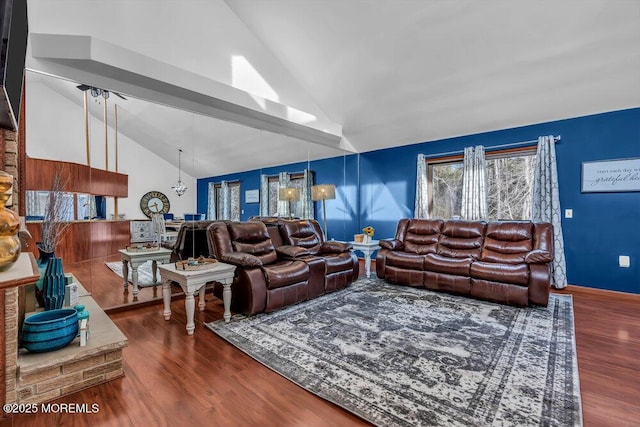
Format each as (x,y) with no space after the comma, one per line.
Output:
(175,379)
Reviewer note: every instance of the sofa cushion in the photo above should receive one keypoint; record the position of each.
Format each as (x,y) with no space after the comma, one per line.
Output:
(405,260)
(507,242)
(253,238)
(442,264)
(422,236)
(305,233)
(461,239)
(338,262)
(285,273)
(498,272)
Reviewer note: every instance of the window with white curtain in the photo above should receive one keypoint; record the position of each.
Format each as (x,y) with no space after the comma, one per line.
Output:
(296,180)
(509,185)
(234,189)
(37,202)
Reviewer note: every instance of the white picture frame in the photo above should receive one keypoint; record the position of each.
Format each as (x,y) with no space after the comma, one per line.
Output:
(610,176)
(252,196)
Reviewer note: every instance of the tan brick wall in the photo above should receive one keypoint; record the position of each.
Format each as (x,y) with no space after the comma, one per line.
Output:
(52,382)
(11,162)
(11,295)
(11,343)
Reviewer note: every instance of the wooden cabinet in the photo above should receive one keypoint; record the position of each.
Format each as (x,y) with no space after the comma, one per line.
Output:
(85,240)
(78,178)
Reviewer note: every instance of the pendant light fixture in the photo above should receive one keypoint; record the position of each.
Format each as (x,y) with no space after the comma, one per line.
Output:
(179,188)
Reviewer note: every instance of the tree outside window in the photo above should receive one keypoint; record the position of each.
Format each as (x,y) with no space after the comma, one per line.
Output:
(509,185)
(295,181)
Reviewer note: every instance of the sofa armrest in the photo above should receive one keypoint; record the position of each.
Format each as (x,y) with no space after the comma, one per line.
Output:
(241,259)
(334,247)
(538,256)
(392,245)
(290,251)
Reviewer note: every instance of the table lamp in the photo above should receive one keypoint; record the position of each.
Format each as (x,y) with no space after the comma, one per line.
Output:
(289,194)
(323,192)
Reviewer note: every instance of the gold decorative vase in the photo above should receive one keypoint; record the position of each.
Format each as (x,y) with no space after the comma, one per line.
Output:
(9,226)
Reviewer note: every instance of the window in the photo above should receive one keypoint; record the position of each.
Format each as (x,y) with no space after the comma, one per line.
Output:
(296,181)
(509,185)
(38,202)
(234,191)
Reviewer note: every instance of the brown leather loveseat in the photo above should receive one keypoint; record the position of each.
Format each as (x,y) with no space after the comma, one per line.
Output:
(280,263)
(506,262)
(264,280)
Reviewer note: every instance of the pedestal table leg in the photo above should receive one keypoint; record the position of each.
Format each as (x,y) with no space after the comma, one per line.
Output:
(125,274)
(226,300)
(189,308)
(201,301)
(134,279)
(166,299)
(367,263)
(154,269)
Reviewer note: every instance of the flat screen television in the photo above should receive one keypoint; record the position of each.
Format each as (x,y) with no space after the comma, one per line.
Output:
(14,30)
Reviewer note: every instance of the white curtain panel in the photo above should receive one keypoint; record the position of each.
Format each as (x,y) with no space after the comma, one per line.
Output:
(34,207)
(264,195)
(546,204)
(474,184)
(283,205)
(307,203)
(225,199)
(422,194)
(211,202)
(158,227)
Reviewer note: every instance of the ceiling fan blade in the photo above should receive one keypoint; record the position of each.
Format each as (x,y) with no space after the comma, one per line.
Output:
(83,87)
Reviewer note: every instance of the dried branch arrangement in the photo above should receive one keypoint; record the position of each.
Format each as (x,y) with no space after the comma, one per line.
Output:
(56,212)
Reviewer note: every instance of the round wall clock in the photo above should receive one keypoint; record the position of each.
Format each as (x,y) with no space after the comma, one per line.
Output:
(154,202)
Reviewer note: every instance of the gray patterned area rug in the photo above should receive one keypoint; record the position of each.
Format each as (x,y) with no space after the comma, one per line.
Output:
(145,277)
(398,356)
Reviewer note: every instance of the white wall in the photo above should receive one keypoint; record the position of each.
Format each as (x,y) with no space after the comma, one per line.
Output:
(56,131)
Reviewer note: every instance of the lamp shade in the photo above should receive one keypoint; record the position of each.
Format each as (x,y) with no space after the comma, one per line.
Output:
(323,192)
(289,194)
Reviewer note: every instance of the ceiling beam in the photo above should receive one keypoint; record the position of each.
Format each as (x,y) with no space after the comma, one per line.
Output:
(88,60)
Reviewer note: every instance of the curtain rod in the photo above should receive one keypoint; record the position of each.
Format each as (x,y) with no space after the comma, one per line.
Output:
(495,147)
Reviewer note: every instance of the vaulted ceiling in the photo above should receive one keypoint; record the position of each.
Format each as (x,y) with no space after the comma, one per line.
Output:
(283,81)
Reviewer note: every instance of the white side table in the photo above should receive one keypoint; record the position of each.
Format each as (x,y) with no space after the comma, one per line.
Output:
(192,281)
(367,248)
(135,259)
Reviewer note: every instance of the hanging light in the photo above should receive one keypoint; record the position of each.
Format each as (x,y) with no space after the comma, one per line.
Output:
(179,188)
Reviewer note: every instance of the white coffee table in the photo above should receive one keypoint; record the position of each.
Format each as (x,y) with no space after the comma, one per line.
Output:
(135,259)
(192,281)
(367,248)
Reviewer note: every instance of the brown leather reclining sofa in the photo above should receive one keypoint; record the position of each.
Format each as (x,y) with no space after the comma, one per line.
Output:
(506,262)
(270,277)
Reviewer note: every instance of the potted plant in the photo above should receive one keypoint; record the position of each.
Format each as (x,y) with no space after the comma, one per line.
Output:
(54,225)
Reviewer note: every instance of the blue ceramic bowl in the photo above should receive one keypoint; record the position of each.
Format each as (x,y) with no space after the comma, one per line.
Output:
(49,330)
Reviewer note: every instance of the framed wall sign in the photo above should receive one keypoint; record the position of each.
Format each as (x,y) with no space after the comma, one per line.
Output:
(608,176)
(252,196)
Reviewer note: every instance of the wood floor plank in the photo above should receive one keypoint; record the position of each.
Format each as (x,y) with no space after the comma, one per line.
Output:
(175,379)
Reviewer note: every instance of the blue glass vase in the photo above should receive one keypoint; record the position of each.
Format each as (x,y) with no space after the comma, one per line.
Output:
(53,285)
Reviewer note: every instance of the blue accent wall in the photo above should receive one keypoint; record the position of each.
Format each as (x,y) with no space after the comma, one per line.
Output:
(342,212)
(377,188)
